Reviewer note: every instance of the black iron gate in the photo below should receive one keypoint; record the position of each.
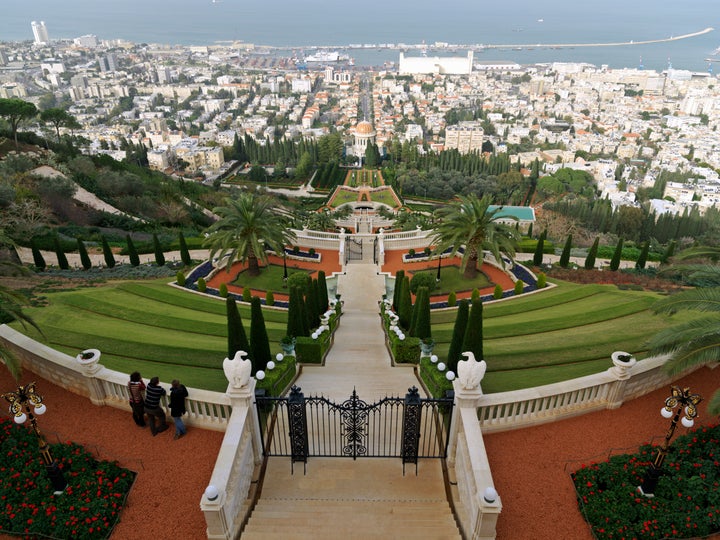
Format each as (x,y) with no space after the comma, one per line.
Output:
(353,250)
(408,428)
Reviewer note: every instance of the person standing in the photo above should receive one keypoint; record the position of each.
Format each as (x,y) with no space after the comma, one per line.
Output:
(156,416)
(136,391)
(178,393)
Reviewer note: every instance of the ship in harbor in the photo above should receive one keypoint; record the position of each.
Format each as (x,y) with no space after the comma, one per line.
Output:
(326,57)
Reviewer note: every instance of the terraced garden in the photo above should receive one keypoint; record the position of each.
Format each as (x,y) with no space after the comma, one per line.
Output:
(566,332)
(559,334)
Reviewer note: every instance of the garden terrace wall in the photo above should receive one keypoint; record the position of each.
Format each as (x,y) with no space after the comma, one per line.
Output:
(205,409)
(606,390)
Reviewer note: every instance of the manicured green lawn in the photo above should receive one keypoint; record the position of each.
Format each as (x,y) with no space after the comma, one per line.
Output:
(385,197)
(270,278)
(344,196)
(451,279)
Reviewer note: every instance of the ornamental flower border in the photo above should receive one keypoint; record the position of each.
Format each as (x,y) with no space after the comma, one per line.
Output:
(687,498)
(90,506)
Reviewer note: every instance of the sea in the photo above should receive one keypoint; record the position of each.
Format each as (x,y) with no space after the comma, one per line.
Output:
(298,25)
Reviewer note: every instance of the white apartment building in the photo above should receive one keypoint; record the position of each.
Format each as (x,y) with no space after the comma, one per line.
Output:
(466,137)
(40,33)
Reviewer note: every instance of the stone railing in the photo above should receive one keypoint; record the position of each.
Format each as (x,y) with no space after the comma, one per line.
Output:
(317,239)
(205,409)
(227,500)
(606,390)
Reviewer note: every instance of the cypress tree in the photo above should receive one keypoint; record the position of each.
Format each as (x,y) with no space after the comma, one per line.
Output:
(473,340)
(530,230)
(184,253)
(132,252)
(615,261)
(108,254)
(324,301)
(311,313)
(642,259)
(60,254)
(259,342)
(565,257)
(84,257)
(458,335)
(414,314)
(669,251)
(396,291)
(592,254)
(539,247)
(159,256)
(38,259)
(237,339)
(294,323)
(423,328)
(405,304)
(303,313)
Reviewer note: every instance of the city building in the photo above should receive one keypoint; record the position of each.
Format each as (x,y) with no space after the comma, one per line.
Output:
(446,65)
(40,33)
(466,137)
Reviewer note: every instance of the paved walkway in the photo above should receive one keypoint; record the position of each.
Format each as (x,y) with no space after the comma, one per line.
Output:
(359,358)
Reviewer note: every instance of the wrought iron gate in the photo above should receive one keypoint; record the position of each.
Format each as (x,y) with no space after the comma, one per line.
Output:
(353,250)
(300,427)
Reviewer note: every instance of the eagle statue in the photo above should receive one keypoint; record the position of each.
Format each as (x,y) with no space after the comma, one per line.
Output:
(470,372)
(238,370)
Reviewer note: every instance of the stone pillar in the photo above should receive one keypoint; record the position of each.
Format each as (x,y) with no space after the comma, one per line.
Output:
(215,518)
(89,366)
(463,399)
(622,362)
(245,397)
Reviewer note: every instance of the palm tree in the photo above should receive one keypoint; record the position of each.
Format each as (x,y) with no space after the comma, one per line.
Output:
(470,221)
(697,341)
(11,303)
(246,224)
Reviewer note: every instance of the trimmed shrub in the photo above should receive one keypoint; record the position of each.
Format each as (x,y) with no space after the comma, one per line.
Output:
(541,280)
(475,295)
(247,294)
(519,286)
(237,338)
(406,351)
(498,292)
(269,298)
(311,252)
(159,255)
(108,254)
(422,329)
(309,350)
(422,279)
(60,254)
(201,284)
(259,342)
(426,251)
(295,326)
(458,335)
(411,252)
(592,254)
(184,252)
(180,278)
(298,279)
(615,261)
(84,257)
(311,309)
(223,290)
(38,259)
(396,291)
(473,340)
(405,308)
(538,255)
(565,257)
(132,252)
(669,252)
(642,259)
(323,300)
(452,299)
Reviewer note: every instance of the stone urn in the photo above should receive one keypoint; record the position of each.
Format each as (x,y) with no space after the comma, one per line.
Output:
(622,362)
(427,346)
(287,344)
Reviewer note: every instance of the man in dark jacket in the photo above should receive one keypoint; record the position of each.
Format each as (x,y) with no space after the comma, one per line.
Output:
(178,393)
(156,416)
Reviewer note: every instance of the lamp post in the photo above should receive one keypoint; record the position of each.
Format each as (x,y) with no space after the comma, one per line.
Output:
(685,402)
(23,398)
(285,276)
(437,277)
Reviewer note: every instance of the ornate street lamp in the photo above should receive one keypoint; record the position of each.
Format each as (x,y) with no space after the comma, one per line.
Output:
(23,398)
(685,402)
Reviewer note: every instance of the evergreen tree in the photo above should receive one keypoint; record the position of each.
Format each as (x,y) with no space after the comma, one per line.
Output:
(473,339)
(259,342)
(405,304)
(159,256)
(108,254)
(458,335)
(184,253)
(565,257)
(396,291)
(132,252)
(642,258)
(539,247)
(615,261)
(84,257)
(60,254)
(669,251)
(295,325)
(38,259)
(423,328)
(237,339)
(323,300)
(311,312)
(592,255)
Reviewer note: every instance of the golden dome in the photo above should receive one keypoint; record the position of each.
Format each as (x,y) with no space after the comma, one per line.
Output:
(364,128)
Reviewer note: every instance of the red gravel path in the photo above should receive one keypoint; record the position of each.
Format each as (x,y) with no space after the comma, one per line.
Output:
(531,467)
(172,474)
